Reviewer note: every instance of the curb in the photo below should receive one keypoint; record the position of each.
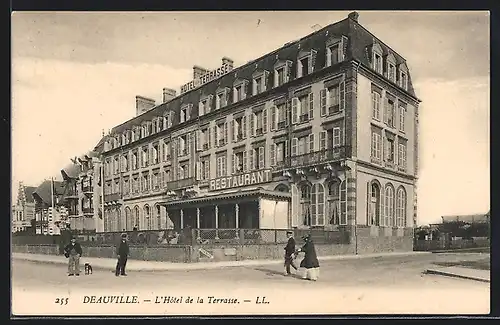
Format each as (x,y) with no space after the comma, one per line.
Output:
(215,265)
(466,250)
(454,275)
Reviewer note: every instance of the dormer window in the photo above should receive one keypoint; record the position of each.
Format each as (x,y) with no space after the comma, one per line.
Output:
(391,67)
(155,126)
(185,113)
(205,105)
(335,50)
(281,69)
(305,63)
(221,98)
(168,120)
(403,80)
(239,90)
(377,64)
(160,124)
(259,82)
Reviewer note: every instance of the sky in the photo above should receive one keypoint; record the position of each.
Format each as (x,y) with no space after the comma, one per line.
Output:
(77,74)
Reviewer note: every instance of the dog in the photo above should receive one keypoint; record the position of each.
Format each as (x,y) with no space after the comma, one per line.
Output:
(88,269)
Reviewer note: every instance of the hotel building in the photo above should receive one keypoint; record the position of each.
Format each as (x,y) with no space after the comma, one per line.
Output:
(321,133)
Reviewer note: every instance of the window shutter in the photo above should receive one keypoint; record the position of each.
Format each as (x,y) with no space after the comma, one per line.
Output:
(231,131)
(171,118)
(272,154)
(294,146)
(288,72)
(261,159)
(208,138)
(344,48)
(151,155)
(386,110)
(311,142)
(225,97)
(252,124)
(336,137)
(342,95)
(295,110)
(369,213)
(187,145)
(252,160)
(201,108)
(322,95)
(312,62)
(322,140)
(216,144)
(225,133)
(285,149)
(198,140)
(254,87)
(245,162)
(274,120)
(244,128)
(244,89)
(264,120)
(382,207)
(235,163)
(198,170)
(311,106)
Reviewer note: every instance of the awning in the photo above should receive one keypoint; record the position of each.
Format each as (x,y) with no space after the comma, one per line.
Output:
(256,193)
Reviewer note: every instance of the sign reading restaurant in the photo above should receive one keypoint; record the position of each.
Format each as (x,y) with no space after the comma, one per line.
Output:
(207,77)
(245,179)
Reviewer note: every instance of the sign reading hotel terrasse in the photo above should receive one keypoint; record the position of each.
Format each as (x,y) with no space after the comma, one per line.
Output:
(245,179)
(207,77)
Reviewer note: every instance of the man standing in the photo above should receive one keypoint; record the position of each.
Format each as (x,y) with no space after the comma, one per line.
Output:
(73,251)
(289,252)
(122,252)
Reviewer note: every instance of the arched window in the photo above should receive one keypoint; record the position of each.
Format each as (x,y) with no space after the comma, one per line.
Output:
(305,202)
(374,204)
(401,207)
(317,205)
(158,217)
(118,220)
(389,206)
(137,219)
(333,207)
(128,219)
(343,202)
(147,217)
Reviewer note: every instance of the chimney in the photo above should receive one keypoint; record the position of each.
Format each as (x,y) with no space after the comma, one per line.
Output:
(354,16)
(168,94)
(228,61)
(143,104)
(198,71)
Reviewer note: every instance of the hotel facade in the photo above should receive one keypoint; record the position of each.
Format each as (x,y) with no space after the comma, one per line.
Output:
(321,133)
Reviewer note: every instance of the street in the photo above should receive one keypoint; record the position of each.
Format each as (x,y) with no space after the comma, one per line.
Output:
(367,285)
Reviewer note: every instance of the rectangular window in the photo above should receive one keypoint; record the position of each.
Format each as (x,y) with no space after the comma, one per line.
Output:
(155,154)
(376,146)
(259,125)
(402,155)
(204,107)
(282,116)
(239,162)
(221,168)
(205,169)
(145,182)
(261,158)
(166,151)
(258,85)
(333,54)
(402,115)
(239,93)
(280,76)
(390,113)
(183,145)
(221,134)
(391,73)
(220,100)
(378,63)
(376,99)
(403,81)
(390,150)
(303,67)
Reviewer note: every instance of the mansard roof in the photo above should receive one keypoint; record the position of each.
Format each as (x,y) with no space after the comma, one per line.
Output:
(360,41)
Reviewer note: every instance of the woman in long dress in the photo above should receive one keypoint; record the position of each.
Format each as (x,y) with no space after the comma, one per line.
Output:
(310,261)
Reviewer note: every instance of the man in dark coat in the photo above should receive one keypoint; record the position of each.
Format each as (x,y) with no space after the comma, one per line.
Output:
(122,252)
(73,251)
(289,253)
(310,261)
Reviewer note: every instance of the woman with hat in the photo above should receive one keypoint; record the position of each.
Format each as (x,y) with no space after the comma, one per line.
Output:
(310,261)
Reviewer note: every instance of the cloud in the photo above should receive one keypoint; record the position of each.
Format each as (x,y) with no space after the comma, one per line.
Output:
(59,108)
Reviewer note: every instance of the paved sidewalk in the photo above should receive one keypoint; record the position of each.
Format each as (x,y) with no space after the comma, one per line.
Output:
(150,266)
(461,272)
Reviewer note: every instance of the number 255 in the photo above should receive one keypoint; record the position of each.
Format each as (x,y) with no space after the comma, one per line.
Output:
(61,301)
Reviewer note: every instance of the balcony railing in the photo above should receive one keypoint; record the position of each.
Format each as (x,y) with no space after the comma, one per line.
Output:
(112,197)
(205,146)
(281,125)
(88,210)
(304,118)
(259,131)
(87,189)
(239,136)
(314,158)
(181,183)
(221,142)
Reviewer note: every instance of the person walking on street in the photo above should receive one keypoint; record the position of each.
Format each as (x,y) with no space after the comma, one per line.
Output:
(310,261)
(73,251)
(289,253)
(122,252)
